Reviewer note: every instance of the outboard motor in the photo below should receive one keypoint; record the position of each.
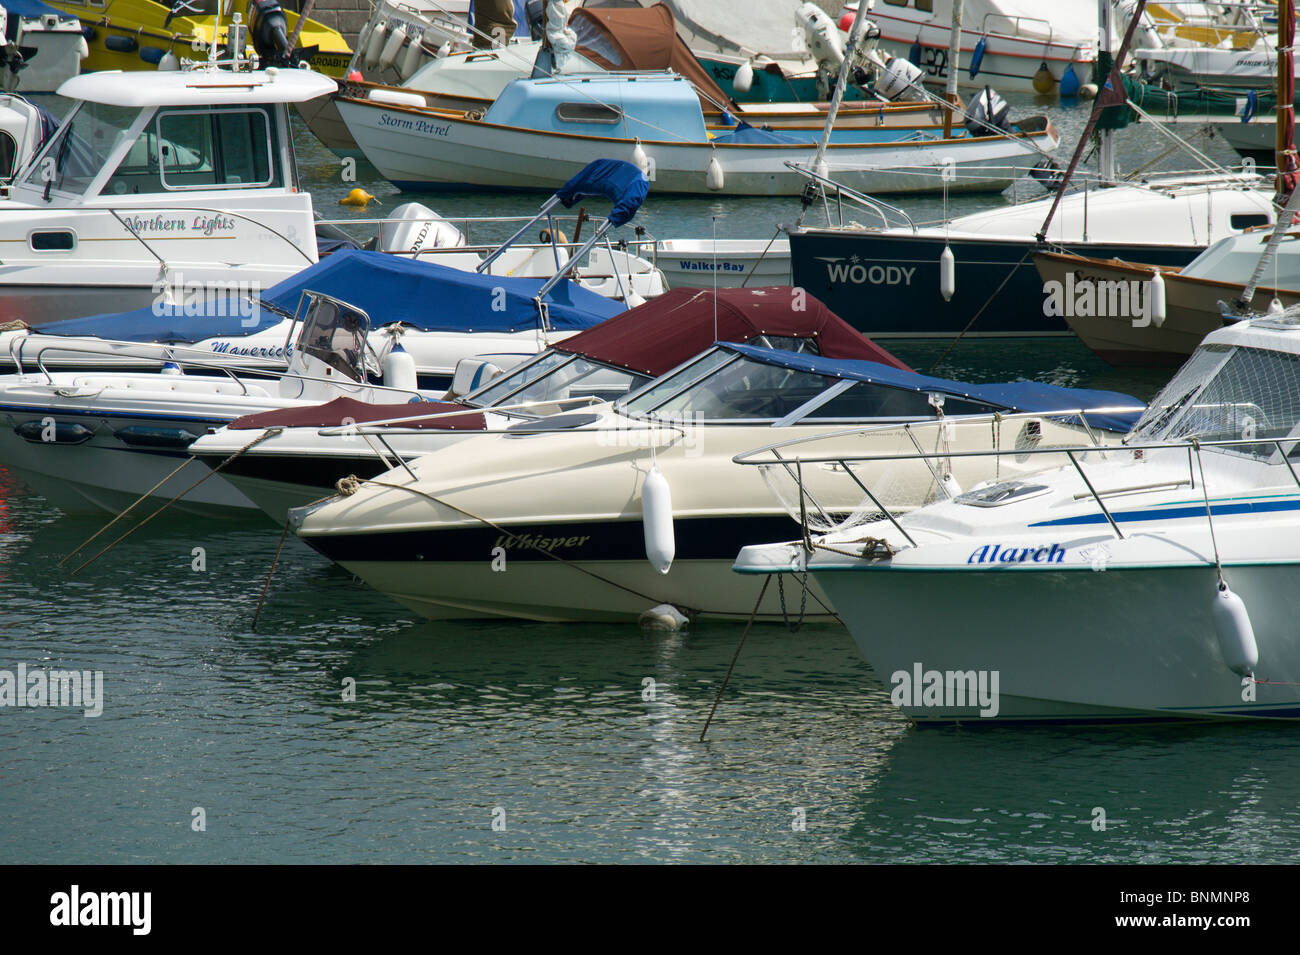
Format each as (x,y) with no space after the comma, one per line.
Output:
(269,31)
(900,81)
(988,114)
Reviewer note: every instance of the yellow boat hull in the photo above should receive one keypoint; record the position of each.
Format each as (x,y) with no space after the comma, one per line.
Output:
(130,28)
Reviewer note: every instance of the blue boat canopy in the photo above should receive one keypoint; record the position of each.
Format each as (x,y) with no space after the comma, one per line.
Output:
(620,182)
(390,289)
(1031,396)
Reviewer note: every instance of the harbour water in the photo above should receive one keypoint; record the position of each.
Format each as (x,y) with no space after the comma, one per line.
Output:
(345,729)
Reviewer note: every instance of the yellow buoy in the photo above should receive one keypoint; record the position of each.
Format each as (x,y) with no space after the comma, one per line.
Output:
(357,197)
(1044,81)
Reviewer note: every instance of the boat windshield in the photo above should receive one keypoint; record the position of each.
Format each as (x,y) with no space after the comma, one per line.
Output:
(725,386)
(335,332)
(556,376)
(1227,392)
(81,147)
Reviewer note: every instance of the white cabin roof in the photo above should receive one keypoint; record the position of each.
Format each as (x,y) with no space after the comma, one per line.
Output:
(1280,333)
(197,87)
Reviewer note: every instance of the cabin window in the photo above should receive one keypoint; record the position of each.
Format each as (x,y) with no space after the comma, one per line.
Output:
(806,346)
(52,240)
(925,6)
(588,113)
(559,377)
(81,148)
(746,390)
(8,155)
(645,401)
(1247,220)
(212,148)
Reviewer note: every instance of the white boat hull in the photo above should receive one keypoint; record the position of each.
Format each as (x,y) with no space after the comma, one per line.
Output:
(1044,635)
(414,151)
(728,263)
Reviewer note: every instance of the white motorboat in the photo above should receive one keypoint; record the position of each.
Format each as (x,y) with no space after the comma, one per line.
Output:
(1153,581)
(724,263)
(604,514)
(306,455)
(98,441)
(154,179)
(444,306)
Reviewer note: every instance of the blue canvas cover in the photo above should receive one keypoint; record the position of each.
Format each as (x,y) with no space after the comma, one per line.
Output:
(1031,396)
(747,135)
(390,289)
(620,182)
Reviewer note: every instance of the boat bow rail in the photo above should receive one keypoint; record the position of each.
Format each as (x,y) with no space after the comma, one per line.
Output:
(883,209)
(932,461)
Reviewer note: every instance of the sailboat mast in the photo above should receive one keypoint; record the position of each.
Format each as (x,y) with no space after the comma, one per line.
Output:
(855,34)
(1288,169)
(1105,45)
(954,64)
(1111,93)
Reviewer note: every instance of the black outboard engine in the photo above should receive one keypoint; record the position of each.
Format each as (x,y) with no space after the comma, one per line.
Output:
(988,113)
(269,32)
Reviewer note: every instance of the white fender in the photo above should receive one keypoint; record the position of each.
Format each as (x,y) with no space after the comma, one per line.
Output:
(657,520)
(713,177)
(1236,635)
(169,62)
(947,274)
(412,59)
(1156,298)
(744,78)
(375,45)
(389,53)
(399,368)
(640,159)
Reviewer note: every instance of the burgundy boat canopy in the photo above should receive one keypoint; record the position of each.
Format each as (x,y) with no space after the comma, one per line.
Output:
(656,337)
(334,413)
(643,39)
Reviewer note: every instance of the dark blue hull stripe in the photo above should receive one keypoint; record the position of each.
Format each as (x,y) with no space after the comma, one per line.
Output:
(1173,513)
(697,538)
